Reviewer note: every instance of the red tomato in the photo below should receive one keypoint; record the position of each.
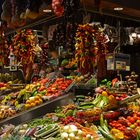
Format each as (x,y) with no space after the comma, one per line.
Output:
(63,88)
(131,120)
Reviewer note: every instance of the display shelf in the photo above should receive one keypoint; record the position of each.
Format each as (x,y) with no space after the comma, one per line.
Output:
(40,110)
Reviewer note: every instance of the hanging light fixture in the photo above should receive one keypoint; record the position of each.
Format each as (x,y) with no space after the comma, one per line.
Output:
(118,8)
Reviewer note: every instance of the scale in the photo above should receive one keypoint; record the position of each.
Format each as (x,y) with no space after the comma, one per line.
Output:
(13,62)
(118,62)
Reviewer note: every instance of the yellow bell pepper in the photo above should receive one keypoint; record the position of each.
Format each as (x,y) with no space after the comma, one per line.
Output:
(117,134)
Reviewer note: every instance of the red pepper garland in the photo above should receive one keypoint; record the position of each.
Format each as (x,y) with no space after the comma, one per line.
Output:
(24,46)
(57,7)
(90,44)
(4,51)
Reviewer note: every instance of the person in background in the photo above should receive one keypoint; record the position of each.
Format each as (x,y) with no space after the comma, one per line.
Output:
(35,75)
(42,73)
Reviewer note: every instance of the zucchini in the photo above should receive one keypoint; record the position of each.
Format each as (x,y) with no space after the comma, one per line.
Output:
(80,100)
(42,132)
(51,134)
(80,96)
(86,105)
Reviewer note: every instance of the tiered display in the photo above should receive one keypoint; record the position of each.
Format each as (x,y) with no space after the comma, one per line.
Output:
(98,117)
(34,94)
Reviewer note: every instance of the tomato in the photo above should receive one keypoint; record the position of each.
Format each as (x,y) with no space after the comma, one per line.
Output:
(63,88)
(138,114)
(131,120)
(135,117)
(118,125)
(122,128)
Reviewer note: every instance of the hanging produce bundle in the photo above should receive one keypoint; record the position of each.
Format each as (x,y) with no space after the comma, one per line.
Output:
(24,46)
(4,51)
(57,7)
(90,44)
(44,54)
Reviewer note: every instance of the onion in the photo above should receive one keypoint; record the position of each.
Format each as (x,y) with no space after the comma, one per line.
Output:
(73,128)
(66,128)
(72,136)
(88,137)
(80,132)
(64,135)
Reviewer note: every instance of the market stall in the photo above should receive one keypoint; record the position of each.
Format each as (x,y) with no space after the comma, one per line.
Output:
(65,73)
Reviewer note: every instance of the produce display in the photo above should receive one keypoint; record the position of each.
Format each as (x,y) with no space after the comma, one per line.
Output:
(85,119)
(35,94)
(2,85)
(6,111)
(132,83)
(109,110)
(6,77)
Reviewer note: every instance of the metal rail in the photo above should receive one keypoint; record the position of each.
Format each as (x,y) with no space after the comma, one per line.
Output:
(39,111)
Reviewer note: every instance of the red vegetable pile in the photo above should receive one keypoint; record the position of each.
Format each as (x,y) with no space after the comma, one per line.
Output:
(128,125)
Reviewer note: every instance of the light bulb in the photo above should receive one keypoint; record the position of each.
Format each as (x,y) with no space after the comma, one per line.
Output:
(118,8)
(138,35)
(134,35)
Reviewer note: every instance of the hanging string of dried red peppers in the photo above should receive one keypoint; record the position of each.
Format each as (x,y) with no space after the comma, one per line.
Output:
(24,46)
(90,44)
(4,51)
